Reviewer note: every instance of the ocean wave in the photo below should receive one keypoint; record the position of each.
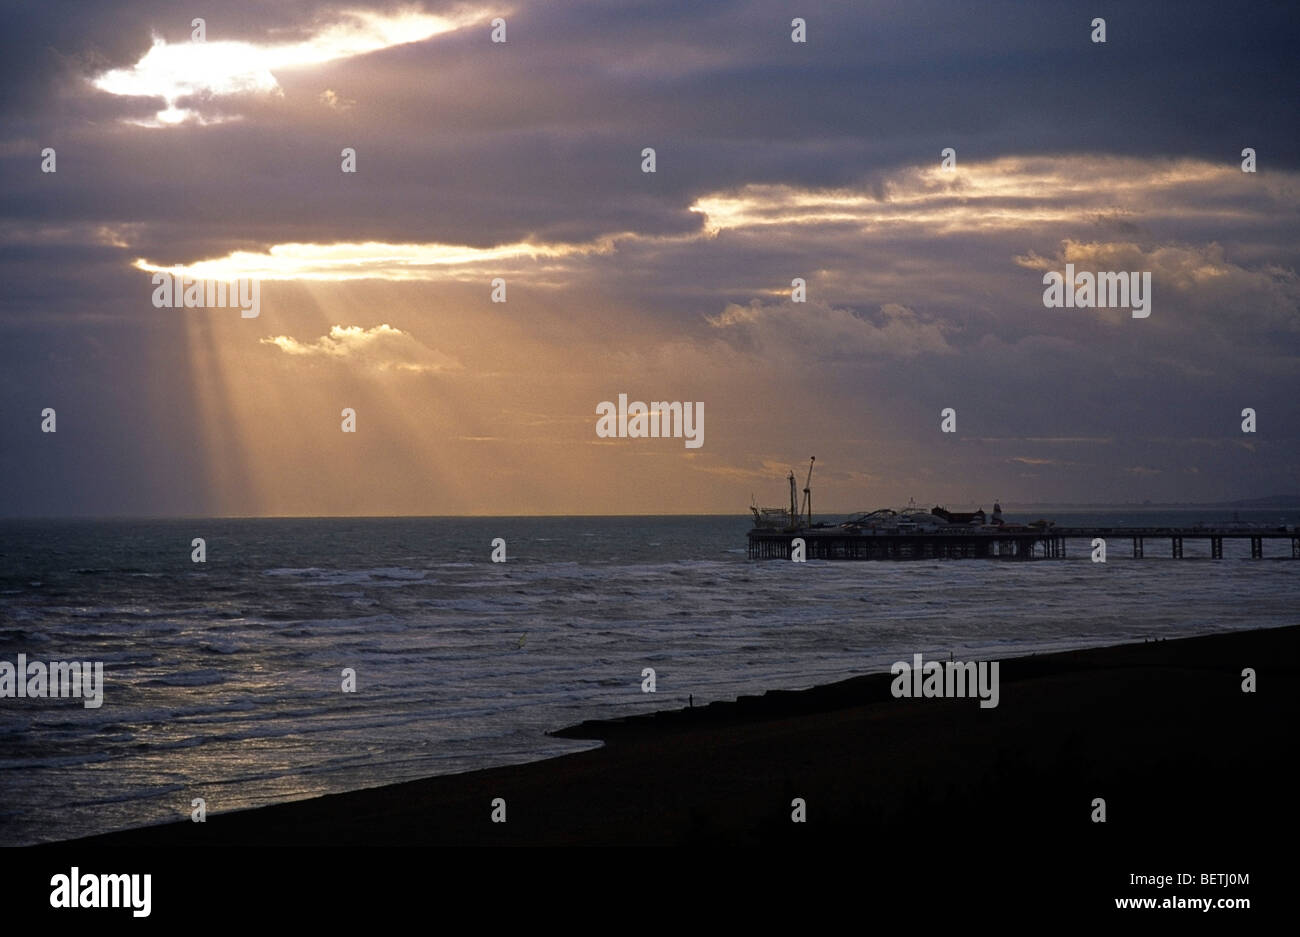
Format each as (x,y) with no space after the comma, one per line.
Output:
(191,678)
(233,678)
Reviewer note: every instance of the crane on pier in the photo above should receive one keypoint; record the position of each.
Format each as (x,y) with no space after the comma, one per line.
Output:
(807,491)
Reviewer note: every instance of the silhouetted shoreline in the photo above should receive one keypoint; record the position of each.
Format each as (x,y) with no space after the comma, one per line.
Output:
(1162,731)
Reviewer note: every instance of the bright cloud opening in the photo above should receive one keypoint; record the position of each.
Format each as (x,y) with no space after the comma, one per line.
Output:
(372,260)
(1000,194)
(175,71)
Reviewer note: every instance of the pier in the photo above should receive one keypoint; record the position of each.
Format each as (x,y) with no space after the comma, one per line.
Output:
(955,542)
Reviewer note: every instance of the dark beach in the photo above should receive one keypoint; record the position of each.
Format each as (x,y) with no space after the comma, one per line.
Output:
(1189,765)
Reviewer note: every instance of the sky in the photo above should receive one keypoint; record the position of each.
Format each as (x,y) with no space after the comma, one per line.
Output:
(523,160)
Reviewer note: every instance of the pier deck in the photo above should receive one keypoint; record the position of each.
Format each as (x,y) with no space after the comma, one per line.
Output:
(834,543)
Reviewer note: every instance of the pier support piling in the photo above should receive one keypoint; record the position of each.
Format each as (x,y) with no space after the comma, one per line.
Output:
(828,543)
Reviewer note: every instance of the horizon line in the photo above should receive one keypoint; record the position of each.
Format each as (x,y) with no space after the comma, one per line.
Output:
(1127,505)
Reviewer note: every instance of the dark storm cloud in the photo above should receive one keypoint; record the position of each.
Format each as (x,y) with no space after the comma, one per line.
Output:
(463,142)
(466,142)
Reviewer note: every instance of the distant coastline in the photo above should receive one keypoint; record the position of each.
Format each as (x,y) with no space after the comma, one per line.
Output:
(1273,502)
(1252,504)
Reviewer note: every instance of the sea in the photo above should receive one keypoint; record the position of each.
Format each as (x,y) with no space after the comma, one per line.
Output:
(224,680)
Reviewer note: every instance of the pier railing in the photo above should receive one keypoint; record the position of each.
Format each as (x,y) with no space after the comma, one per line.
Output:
(995,543)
